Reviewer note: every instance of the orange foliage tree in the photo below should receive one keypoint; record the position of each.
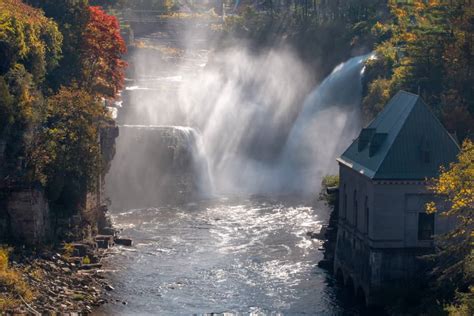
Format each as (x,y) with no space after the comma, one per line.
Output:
(103,48)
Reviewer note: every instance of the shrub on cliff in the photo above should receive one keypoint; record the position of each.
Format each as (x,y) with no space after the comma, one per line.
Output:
(328,182)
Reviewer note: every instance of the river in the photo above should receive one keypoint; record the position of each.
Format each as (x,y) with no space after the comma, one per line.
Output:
(228,254)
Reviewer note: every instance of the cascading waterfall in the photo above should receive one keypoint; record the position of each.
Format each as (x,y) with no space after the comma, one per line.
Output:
(258,135)
(250,109)
(328,122)
(194,144)
(158,164)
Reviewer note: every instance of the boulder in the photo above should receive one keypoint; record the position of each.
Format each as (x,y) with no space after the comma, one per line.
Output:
(80,250)
(124,241)
(104,241)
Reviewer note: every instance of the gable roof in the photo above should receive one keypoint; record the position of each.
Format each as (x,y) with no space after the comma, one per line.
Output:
(405,142)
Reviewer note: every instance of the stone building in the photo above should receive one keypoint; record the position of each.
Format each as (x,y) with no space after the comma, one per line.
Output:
(383,226)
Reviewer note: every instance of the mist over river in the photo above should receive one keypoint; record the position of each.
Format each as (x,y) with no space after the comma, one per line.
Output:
(218,166)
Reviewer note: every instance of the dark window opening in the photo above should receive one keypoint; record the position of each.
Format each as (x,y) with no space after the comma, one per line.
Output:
(344,203)
(425,226)
(367,214)
(355,209)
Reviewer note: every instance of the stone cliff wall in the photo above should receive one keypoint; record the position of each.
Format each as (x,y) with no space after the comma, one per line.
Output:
(25,216)
(28,216)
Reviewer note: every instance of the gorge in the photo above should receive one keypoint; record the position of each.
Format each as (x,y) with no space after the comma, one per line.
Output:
(219,157)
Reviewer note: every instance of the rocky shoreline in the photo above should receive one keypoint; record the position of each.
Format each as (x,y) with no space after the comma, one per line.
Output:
(68,280)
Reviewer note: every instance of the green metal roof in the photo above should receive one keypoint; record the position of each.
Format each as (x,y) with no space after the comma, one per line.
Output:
(405,141)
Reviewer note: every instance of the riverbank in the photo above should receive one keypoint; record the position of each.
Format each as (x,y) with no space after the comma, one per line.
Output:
(68,279)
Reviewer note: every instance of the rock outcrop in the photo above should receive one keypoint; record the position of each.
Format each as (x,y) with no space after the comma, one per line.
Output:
(25,216)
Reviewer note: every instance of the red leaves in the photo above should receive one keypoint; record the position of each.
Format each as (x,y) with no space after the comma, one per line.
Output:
(101,56)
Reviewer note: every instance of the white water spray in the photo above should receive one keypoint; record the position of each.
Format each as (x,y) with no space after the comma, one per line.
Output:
(258,132)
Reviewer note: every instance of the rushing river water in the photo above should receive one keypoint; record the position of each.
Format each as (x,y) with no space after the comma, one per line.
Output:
(230,256)
(238,256)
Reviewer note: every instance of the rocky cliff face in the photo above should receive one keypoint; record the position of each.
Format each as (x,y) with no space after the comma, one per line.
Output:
(25,216)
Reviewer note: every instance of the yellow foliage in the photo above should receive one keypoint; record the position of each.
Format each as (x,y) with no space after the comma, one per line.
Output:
(409,37)
(27,33)
(456,186)
(4,259)
(12,280)
(86,260)
(68,249)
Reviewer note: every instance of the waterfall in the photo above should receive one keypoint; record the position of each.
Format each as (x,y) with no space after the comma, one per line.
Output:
(253,145)
(329,121)
(258,133)
(155,165)
(195,146)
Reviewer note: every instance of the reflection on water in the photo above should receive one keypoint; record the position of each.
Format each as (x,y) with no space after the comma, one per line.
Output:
(249,256)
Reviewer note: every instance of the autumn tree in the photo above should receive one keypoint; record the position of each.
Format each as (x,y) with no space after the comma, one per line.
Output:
(92,47)
(103,46)
(27,37)
(66,154)
(454,259)
(30,46)
(72,17)
(426,48)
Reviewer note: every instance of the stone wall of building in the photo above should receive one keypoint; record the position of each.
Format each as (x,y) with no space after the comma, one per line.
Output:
(377,243)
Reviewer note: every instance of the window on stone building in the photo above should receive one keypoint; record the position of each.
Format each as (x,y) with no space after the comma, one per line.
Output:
(355,209)
(344,203)
(425,226)
(366,214)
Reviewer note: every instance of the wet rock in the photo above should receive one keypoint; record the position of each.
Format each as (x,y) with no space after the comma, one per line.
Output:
(91,266)
(66,270)
(124,241)
(79,249)
(325,264)
(102,244)
(109,287)
(104,241)
(108,231)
